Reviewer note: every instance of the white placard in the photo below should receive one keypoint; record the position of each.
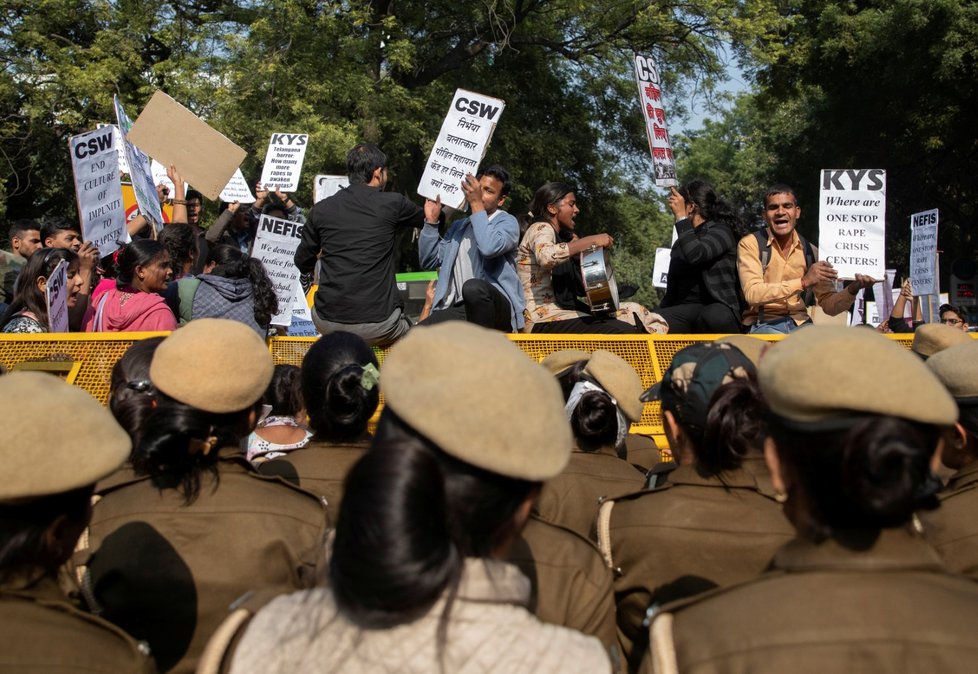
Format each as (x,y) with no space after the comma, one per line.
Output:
(120,146)
(302,325)
(324,187)
(275,244)
(98,189)
(460,147)
(56,296)
(650,101)
(660,270)
(852,221)
(283,161)
(160,176)
(140,171)
(883,292)
(238,190)
(923,252)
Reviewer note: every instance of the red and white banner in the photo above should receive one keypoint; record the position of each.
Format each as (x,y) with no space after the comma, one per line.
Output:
(650,100)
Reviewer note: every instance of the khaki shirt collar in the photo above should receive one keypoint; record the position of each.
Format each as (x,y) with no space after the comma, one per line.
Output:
(965,477)
(898,549)
(742,478)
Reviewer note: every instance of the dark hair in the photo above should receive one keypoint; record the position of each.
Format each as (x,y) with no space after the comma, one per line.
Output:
(28,296)
(735,426)
(180,241)
(872,475)
(139,253)
(960,311)
(711,206)
(546,194)
(24,548)
(172,436)
(22,225)
(499,173)
(131,395)
(779,188)
(284,393)
(194,194)
(362,161)
(52,225)
(232,263)
(416,513)
(595,419)
(338,406)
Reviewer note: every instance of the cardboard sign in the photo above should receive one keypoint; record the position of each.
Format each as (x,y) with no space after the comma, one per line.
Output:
(923,252)
(175,136)
(98,190)
(238,190)
(460,147)
(650,101)
(56,297)
(324,187)
(140,170)
(275,244)
(283,161)
(852,221)
(660,270)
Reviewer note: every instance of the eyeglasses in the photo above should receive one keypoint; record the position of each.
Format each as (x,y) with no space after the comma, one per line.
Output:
(951,321)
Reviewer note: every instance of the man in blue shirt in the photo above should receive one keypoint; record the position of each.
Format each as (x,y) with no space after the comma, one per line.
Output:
(477,256)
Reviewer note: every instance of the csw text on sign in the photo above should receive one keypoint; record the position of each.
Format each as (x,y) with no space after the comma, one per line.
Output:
(98,190)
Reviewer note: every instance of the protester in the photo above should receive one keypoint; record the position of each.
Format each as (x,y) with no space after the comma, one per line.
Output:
(44,507)
(896,322)
(932,338)
(25,238)
(435,513)
(781,275)
(858,588)
(703,291)
(134,305)
(232,286)
(353,234)
(340,392)
(28,312)
(197,527)
(954,316)
(180,241)
(716,521)
(549,241)
(274,203)
(281,426)
(478,281)
(601,401)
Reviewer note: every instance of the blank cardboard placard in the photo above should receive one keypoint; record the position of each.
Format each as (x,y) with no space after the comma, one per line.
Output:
(171,134)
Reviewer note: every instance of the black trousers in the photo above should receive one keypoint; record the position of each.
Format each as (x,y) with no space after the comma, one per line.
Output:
(701,319)
(481,304)
(587,325)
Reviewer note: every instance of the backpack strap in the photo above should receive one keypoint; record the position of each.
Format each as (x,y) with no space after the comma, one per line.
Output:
(809,250)
(97,322)
(186,291)
(764,253)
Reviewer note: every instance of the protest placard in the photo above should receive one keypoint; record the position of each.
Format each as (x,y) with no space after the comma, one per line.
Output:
(302,325)
(923,252)
(460,147)
(56,296)
(283,161)
(98,190)
(120,146)
(650,101)
(660,270)
(139,169)
(174,136)
(324,187)
(852,221)
(238,190)
(275,244)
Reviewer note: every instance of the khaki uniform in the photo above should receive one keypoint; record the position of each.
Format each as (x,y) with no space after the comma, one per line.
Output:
(642,451)
(43,633)
(690,535)
(953,528)
(571,586)
(888,607)
(572,498)
(167,572)
(319,467)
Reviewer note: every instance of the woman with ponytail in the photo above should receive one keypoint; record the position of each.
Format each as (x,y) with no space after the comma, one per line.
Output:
(850,451)
(134,304)
(197,527)
(716,521)
(703,293)
(233,286)
(470,429)
(339,382)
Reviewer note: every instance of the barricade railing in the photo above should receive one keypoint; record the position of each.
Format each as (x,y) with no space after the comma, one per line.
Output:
(86,359)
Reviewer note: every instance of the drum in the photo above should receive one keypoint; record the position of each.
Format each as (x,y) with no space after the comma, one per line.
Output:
(599,281)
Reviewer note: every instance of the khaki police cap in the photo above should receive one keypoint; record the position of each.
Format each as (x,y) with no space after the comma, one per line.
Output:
(213,364)
(559,362)
(931,338)
(41,457)
(619,379)
(821,373)
(480,399)
(752,347)
(957,368)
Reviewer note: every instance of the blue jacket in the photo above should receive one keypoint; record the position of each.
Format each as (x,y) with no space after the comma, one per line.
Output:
(494,255)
